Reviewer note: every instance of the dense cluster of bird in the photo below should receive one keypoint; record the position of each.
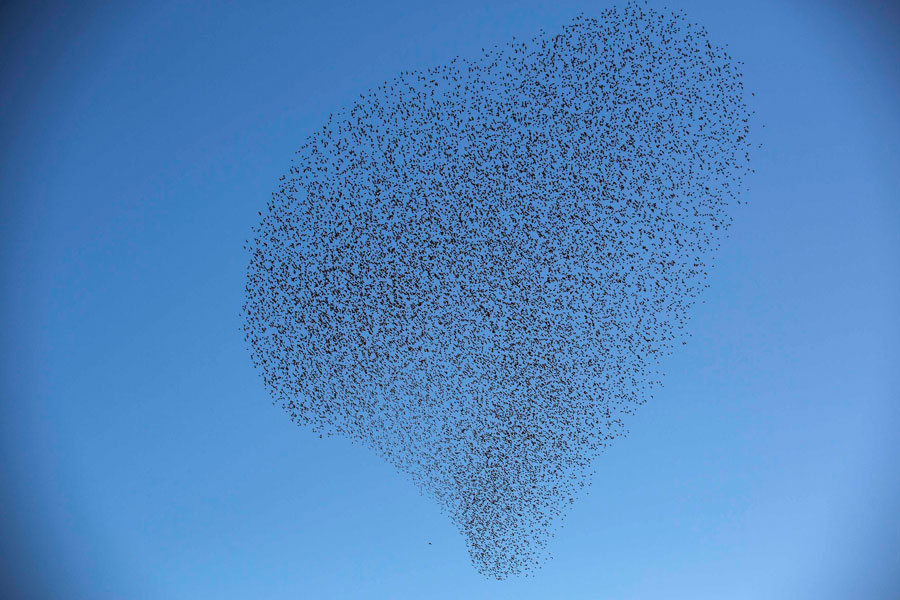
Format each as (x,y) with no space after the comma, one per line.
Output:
(475,269)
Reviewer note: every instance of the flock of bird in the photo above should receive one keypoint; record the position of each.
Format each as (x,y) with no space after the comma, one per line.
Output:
(475,269)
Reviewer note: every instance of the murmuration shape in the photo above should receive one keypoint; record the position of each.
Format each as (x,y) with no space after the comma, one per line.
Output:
(475,269)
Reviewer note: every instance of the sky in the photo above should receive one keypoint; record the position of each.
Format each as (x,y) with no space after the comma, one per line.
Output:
(140,454)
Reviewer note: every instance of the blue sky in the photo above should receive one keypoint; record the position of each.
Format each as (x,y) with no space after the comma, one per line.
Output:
(141,457)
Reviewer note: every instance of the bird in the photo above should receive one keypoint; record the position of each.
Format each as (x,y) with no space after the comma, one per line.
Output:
(475,269)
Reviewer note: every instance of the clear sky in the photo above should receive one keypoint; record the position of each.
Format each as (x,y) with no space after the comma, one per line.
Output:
(141,457)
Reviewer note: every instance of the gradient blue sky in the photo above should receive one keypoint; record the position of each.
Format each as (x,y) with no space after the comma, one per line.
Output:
(140,454)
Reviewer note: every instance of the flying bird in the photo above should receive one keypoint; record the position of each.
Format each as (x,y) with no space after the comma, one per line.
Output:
(475,269)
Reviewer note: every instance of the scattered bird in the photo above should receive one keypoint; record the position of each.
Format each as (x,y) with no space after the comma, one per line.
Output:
(475,269)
